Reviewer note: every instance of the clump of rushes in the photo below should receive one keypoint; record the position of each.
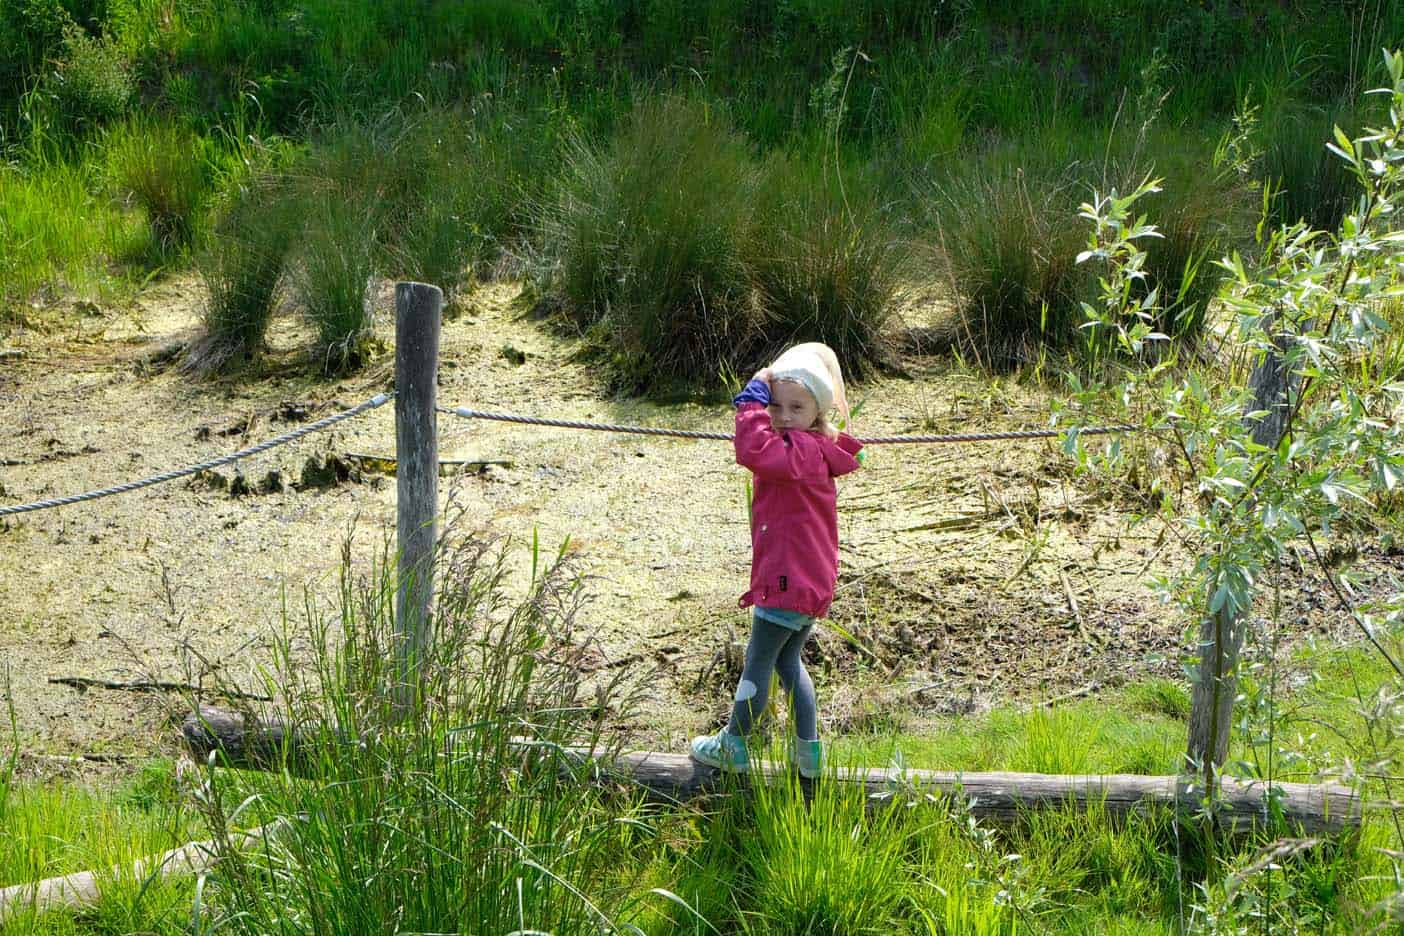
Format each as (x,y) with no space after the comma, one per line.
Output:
(1308,182)
(685,257)
(482,167)
(242,267)
(455,805)
(1010,240)
(334,274)
(164,169)
(826,263)
(647,237)
(1189,213)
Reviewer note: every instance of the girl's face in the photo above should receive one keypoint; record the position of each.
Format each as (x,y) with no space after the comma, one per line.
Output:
(792,406)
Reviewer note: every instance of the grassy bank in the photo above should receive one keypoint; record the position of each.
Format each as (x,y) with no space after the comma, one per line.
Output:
(958,140)
(765,864)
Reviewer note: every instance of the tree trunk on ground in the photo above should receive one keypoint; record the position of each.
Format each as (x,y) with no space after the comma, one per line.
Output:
(1000,797)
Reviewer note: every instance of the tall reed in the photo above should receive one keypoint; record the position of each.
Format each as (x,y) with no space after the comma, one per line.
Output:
(243,267)
(333,276)
(452,807)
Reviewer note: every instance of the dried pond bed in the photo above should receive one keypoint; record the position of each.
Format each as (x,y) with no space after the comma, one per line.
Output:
(971,574)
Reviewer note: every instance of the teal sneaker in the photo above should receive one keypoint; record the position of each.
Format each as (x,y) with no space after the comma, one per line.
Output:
(808,757)
(722,750)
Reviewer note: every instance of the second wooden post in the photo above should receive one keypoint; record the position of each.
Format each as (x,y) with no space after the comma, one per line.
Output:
(417,310)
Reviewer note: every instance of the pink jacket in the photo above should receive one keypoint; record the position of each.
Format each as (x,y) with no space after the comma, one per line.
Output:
(794,511)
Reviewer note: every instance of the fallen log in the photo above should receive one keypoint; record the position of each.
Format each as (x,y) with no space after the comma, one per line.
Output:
(84,888)
(1312,808)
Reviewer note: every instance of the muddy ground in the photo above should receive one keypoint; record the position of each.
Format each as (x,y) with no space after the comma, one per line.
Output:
(971,574)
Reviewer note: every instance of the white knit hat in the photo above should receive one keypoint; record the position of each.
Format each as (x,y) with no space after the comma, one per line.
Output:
(816,367)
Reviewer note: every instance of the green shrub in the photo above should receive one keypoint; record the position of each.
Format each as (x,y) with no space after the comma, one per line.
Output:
(89,88)
(242,267)
(1009,230)
(1010,240)
(334,274)
(685,257)
(646,238)
(166,170)
(826,263)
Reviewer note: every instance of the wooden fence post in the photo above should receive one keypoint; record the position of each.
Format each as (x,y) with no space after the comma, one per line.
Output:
(417,311)
(1221,632)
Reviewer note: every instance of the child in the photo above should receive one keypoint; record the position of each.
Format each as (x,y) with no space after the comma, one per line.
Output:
(783,435)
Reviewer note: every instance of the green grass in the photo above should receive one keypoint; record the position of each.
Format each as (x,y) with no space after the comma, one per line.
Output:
(683,257)
(167,171)
(58,237)
(383,815)
(827,262)
(435,815)
(1009,234)
(880,88)
(58,828)
(333,274)
(243,266)
(648,237)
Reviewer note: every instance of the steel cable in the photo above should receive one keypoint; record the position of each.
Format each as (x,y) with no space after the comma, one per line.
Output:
(466,413)
(298,433)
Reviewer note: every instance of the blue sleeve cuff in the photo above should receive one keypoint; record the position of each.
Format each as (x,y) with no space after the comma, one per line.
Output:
(757,391)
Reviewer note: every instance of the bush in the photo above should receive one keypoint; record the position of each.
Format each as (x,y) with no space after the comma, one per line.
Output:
(1010,240)
(242,268)
(166,170)
(647,240)
(31,34)
(827,264)
(335,270)
(90,87)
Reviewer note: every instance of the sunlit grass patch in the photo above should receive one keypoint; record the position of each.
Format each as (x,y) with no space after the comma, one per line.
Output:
(58,236)
(335,263)
(822,866)
(59,828)
(1080,737)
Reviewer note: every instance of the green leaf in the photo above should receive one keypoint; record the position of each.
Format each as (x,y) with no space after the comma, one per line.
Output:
(1221,595)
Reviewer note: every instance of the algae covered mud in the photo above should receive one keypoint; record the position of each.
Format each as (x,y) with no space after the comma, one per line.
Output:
(970,574)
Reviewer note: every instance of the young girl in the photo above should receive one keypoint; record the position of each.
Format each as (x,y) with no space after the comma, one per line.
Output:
(783,435)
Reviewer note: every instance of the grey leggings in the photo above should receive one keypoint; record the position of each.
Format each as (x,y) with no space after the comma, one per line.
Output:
(774,649)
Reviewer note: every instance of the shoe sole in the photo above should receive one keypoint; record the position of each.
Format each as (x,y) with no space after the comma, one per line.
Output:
(724,768)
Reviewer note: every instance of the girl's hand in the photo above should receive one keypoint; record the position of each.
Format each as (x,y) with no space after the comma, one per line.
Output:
(763,375)
(831,432)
